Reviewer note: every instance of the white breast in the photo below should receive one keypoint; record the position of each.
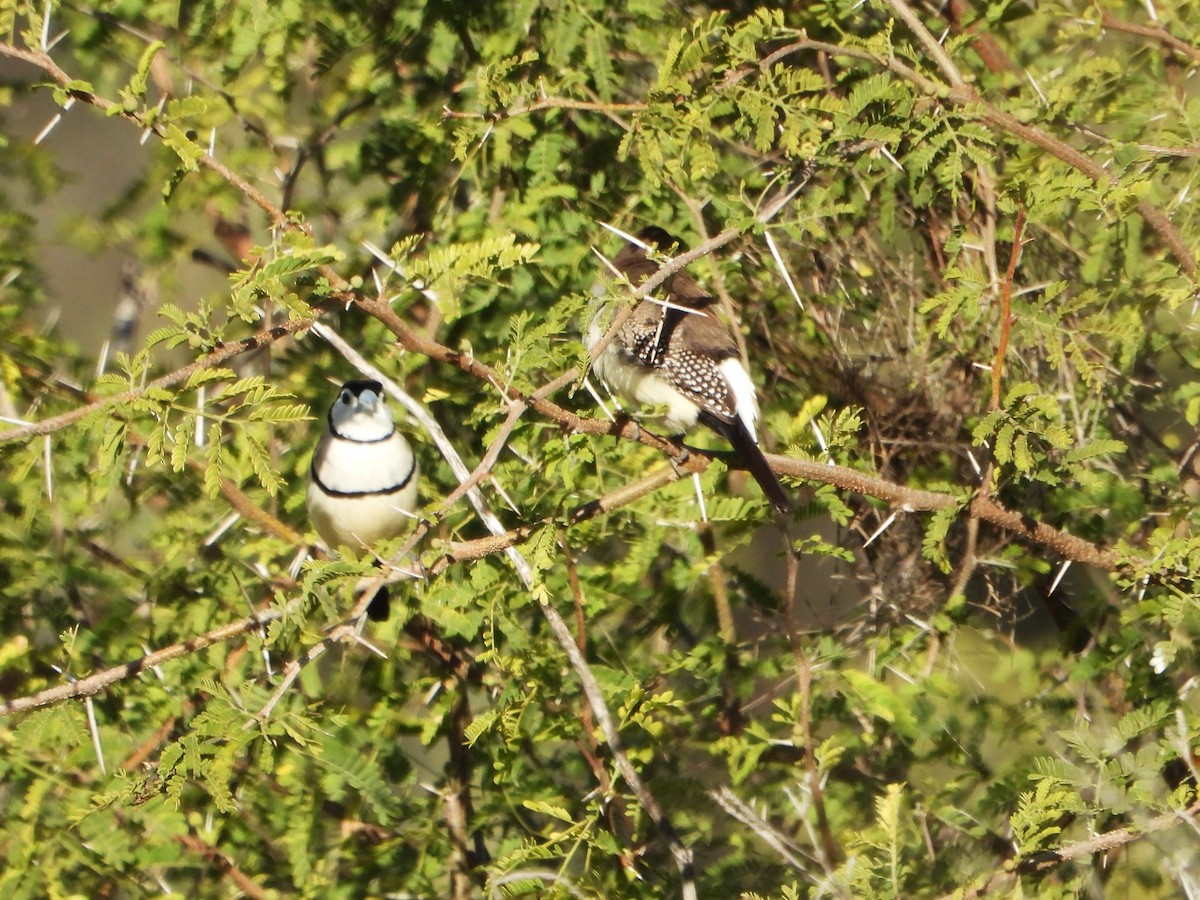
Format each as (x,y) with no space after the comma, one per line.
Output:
(642,386)
(358,522)
(349,467)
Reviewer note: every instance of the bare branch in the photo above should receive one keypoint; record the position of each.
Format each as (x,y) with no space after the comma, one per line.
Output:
(98,681)
(931,44)
(1100,843)
(1164,37)
(221,860)
(222,354)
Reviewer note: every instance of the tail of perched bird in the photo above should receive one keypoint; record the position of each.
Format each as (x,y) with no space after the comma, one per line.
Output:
(678,354)
(362,484)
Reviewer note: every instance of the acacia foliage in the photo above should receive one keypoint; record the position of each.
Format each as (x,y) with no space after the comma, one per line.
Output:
(924,739)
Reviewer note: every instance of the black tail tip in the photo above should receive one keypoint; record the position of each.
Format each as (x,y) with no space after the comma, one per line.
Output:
(380,606)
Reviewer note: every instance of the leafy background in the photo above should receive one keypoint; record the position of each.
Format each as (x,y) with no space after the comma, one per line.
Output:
(909,694)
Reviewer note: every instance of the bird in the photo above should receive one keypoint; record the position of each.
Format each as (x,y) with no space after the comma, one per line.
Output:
(681,356)
(362,482)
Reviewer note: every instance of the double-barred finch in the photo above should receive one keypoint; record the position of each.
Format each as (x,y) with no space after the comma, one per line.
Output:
(679,355)
(362,484)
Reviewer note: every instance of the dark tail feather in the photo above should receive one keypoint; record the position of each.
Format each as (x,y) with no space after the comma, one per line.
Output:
(380,607)
(752,458)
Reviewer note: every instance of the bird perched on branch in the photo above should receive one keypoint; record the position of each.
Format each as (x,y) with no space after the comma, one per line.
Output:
(362,484)
(677,354)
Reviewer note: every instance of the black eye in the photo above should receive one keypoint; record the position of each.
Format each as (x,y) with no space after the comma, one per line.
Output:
(346,397)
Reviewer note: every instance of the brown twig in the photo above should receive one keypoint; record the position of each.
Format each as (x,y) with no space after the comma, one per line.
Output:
(619,820)
(963,94)
(457,795)
(46,63)
(828,850)
(1164,37)
(459,551)
(680,852)
(777,841)
(489,458)
(1006,316)
(904,498)
(248,509)
(150,745)
(544,104)
(909,499)
(1071,548)
(223,863)
(983,43)
(958,93)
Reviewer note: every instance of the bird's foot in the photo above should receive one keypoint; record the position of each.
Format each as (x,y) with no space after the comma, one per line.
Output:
(624,419)
(681,460)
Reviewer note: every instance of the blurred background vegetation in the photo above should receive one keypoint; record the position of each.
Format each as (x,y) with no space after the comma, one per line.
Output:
(993,244)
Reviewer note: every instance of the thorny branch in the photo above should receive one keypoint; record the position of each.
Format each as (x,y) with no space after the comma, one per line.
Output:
(1164,37)
(899,496)
(98,681)
(963,94)
(221,354)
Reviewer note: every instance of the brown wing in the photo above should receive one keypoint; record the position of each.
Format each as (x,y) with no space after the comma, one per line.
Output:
(687,346)
(699,343)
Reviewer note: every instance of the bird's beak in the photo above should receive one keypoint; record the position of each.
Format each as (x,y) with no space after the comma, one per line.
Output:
(368,400)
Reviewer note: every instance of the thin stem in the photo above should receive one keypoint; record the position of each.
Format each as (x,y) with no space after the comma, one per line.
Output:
(1006,317)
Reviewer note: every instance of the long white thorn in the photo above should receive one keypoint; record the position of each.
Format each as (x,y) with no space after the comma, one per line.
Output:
(787,278)
(700,496)
(666,304)
(607,262)
(821,442)
(46,27)
(591,389)
(102,359)
(509,502)
(1062,570)
(41,135)
(224,526)
(92,727)
(370,646)
(636,241)
(157,670)
(887,523)
(48,458)
(381,256)
(201,399)
(162,101)
(887,154)
(974,464)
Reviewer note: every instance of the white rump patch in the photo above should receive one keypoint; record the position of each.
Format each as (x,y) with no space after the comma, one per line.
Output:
(745,399)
